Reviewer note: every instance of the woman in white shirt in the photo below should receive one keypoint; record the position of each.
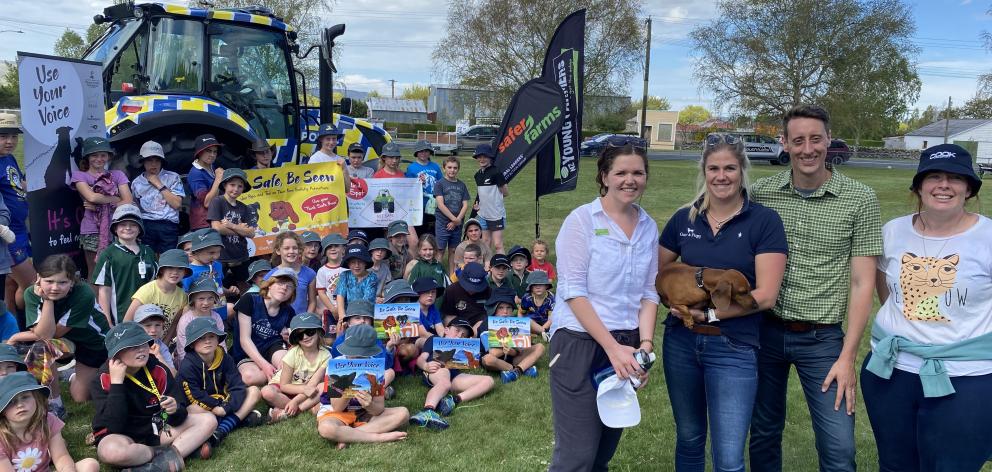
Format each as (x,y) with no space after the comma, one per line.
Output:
(928,379)
(607,263)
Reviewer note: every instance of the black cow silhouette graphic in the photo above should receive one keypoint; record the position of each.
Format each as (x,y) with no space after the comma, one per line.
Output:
(341,383)
(57,174)
(444,356)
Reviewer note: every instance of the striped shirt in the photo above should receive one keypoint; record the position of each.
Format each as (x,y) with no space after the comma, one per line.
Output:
(838,221)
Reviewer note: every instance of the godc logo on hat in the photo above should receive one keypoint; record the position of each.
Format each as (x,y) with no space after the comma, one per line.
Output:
(943,155)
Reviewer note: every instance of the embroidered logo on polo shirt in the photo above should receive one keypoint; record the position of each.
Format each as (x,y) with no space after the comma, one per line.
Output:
(690,233)
(461,305)
(602,232)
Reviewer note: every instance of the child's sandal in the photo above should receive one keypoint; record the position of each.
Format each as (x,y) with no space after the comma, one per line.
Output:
(276,415)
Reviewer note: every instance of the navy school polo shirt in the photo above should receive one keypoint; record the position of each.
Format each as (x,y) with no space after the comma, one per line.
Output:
(756,230)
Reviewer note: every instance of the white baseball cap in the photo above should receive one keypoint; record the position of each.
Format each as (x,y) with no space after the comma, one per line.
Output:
(151,148)
(617,403)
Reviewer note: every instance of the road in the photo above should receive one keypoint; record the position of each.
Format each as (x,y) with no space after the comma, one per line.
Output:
(866,163)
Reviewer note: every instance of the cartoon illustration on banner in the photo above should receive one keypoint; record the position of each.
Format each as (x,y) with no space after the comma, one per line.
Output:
(378,202)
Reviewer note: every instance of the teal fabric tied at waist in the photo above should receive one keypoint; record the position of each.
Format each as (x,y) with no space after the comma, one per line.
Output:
(933,374)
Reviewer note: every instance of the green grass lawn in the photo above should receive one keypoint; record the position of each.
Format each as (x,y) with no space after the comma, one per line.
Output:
(510,429)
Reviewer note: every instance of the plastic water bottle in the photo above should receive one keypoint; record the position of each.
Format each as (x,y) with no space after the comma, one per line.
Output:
(645,359)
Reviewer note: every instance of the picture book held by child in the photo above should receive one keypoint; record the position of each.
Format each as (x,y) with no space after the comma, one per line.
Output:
(457,353)
(402,319)
(509,332)
(346,377)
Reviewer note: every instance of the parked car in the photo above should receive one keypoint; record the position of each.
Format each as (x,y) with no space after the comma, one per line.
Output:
(837,153)
(594,144)
(476,135)
(763,148)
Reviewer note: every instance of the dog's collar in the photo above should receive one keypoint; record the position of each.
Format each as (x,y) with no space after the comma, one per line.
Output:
(699,277)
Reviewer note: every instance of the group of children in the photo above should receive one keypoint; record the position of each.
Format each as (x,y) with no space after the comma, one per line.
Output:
(149,331)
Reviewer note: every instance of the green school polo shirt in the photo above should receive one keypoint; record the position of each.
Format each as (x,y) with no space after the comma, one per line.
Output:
(77,311)
(838,221)
(120,269)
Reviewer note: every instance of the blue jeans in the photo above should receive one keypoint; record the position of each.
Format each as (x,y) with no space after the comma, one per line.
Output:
(710,376)
(942,434)
(813,353)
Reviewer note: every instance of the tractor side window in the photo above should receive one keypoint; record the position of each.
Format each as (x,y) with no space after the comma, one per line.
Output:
(177,56)
(127,69)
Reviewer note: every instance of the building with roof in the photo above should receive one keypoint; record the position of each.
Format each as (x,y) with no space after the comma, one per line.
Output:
(660,127)
(450,103)
(974,135)
(397,110)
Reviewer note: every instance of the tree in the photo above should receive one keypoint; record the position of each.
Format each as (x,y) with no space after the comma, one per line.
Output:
(499,44)
(373,94)
(10,95)
(857,57)
(70,44)
(416,92)
(654,103)
(978,107)
(693,114)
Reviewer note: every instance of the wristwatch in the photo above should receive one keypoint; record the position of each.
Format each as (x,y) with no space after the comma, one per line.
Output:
(711,316)
(161,188)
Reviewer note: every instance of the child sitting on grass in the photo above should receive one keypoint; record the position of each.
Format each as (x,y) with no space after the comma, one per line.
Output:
(152,319)
(473,253)
(287,253)
(519,260)
(364,418)
(357,283)
(379,249)
(202,304)
(206,247)
(539,250)
(311,250)
(361,312)
(31,437)
(10,360)
(538,303)
(164,291)
(442,380)
(212,383)
(428,291)
(513,362)
(256,274)
(297,386)
(124,266)
(426,264)
(138,419)
(406,349)
(497,273)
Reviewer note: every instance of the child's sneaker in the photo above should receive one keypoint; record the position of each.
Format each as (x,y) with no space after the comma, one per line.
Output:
(546,336)
(507,376)
(59,411)
(429,419)
(255,418)
(531,371)
(390,392)
(447,405)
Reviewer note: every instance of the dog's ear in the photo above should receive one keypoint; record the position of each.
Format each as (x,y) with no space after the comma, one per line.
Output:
(721,295)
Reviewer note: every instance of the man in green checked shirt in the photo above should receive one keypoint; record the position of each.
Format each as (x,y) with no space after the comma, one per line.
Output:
(834,230)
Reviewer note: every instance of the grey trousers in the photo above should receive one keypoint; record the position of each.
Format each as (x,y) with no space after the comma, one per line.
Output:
(582,442)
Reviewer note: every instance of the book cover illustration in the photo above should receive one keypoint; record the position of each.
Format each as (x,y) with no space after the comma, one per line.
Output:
(346,377)
(508,332)
(457,353)
(398,318)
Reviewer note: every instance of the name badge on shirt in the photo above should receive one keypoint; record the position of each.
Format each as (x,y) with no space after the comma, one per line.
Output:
(602,232)
(142,268)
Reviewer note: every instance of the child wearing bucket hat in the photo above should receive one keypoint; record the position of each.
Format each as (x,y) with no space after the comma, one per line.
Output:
(202,304)
(296,387)
(287,254)
(538,303)
(389,159)
(364,418)
(62,317)
(256,274)
(123,266)
(263,326)
(152,319)
(380,251)
(25,441)
(138,418)
(327,283)
(429,174)
(511,363)
(361,312)
(357,283)
(443,381)
(204,179)
(164,291)
(231,218)
(212,383)
(10,360)
(159,193)
(101,190)
(261,152)
(398,234)
(327,142)
(311,250)
(205,249)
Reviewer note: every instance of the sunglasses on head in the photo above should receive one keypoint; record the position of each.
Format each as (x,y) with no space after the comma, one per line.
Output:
(619,140)
(720,138)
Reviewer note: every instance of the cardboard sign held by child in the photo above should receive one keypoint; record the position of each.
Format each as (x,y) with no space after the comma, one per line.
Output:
(399,318)
(457,353)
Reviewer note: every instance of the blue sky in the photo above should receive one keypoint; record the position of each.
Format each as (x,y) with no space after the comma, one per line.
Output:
(393,39)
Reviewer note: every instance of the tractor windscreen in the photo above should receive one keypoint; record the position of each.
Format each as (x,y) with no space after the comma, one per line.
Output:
(176,62)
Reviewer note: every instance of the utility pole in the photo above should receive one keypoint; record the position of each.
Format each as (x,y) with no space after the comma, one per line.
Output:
(392,86)
(647,66)
(947,119)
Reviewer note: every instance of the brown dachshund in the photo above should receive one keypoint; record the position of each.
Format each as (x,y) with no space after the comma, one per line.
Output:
(683,286)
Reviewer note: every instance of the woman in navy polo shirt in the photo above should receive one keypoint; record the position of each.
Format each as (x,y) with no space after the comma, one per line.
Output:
(711,370)
(607,304)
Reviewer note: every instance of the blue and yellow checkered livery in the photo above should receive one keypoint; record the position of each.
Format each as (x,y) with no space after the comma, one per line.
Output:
(227,15)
